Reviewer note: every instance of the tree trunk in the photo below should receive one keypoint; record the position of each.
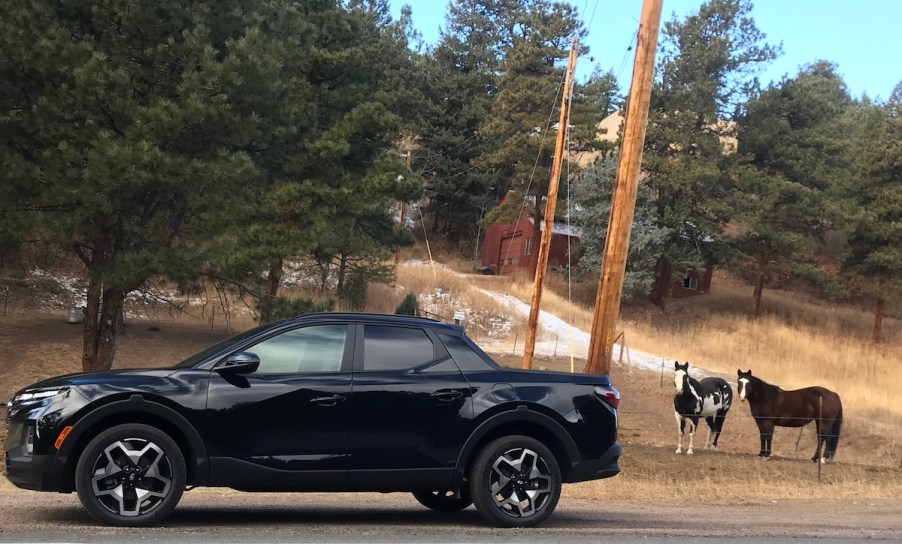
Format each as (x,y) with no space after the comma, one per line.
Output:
(342,272)
(99,335)
(878,319)
(275,277)
(89,327)
(662,282)
(759,288)
(324,277)
(763,261)
(538,218)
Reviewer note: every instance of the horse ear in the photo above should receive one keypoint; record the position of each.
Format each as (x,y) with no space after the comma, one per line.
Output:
(738,371)
(676,365)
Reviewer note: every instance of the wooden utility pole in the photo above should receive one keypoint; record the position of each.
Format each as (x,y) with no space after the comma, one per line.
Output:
(623,202)
(550,204)
(398,250)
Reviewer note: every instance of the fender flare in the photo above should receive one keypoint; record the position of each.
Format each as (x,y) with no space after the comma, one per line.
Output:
(521,413)
(137,403)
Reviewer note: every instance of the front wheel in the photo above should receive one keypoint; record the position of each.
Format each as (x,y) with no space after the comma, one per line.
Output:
(130,475)
(515,482)
(444,500)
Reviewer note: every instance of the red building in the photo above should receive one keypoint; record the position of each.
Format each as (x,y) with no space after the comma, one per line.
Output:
(510,248)
(696,282)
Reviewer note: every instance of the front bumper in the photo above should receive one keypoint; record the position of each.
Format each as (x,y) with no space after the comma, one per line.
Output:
(605,466)
(30,472)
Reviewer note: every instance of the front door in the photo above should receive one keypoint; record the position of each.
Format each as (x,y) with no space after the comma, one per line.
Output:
(284,426)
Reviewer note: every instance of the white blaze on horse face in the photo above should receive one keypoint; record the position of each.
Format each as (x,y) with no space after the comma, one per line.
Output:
(678,379)
(743,386)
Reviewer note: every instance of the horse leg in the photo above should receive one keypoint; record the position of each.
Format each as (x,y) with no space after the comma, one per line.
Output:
(820,442)
(766,429)
(718,427)
(693,425)
(710,421)
(681,422)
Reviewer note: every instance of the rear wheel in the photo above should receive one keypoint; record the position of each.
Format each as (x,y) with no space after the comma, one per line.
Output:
(444,500)
(130,475)
(515,482)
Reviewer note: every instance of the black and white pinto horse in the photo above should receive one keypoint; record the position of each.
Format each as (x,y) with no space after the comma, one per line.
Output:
(709,398)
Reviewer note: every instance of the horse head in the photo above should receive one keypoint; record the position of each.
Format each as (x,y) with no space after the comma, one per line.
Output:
(680,376)
(744,379)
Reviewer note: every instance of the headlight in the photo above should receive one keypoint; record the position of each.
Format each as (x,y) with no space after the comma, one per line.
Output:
(38,394)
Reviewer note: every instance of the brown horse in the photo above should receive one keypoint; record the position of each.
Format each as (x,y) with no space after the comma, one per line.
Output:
(772,406)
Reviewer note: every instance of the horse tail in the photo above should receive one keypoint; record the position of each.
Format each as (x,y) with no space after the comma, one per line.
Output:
(833,438)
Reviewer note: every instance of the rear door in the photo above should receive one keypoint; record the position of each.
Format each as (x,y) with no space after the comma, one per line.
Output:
(412,410)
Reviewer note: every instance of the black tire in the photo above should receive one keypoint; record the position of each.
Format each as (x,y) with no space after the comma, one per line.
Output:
(139,473)
(444,501)
(515,465)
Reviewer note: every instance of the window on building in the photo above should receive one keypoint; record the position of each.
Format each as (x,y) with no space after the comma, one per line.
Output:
(690,282)
(528,246)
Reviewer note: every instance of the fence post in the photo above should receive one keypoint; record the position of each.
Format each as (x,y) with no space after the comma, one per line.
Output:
(662,372)
(514,350)
(555,344)
(800,438)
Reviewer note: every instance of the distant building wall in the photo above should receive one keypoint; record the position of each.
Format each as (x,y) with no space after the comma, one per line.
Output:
(510,248)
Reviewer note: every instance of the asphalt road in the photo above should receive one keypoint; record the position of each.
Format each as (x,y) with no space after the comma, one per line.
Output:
(224,516)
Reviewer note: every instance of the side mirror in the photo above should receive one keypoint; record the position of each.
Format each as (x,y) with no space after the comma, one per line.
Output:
(242,362)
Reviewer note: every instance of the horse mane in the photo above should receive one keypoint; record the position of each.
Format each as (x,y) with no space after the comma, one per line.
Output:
(767,389)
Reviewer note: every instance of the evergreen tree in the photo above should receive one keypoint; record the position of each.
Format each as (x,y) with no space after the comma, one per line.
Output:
(705,72)
(168,138)
(793,157)
(459,80)
(592,194)
(874,189)
(523,110)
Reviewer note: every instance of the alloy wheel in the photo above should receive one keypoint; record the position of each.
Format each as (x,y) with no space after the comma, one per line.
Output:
(131,477)
(520,482)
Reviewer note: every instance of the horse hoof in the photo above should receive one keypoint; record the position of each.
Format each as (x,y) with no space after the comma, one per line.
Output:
(688,452)
(678,451)
(763,458)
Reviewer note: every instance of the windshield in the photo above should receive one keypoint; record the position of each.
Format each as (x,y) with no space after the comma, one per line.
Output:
(220,346)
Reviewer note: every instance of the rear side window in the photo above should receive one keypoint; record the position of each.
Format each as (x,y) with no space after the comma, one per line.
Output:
(463,355)
(395,348)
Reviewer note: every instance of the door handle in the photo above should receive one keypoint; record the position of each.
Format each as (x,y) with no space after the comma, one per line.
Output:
(328,401)
(447,394)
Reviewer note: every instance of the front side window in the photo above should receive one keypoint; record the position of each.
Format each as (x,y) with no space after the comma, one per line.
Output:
(395,348)
(319,348)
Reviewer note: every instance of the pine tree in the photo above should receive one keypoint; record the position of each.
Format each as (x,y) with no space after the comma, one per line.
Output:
(793,157)
(459,80)
(706,69)
(592,209)
(172,138)
(874,190)
(523,110)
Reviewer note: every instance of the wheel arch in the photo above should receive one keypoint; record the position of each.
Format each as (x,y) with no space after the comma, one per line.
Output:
(135,409)
(520,421)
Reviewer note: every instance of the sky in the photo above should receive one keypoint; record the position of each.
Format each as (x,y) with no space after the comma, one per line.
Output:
(863,37)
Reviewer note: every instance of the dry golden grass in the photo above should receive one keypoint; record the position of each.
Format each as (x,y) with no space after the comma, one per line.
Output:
(797,343)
